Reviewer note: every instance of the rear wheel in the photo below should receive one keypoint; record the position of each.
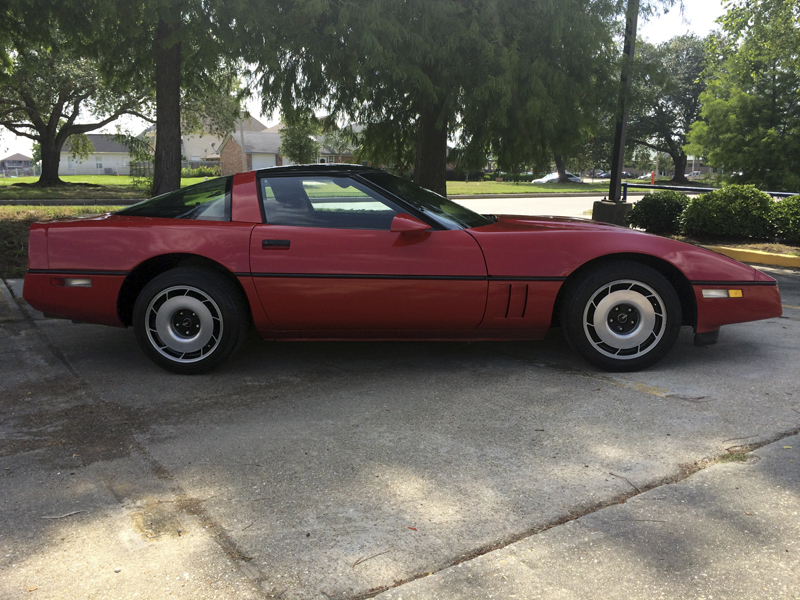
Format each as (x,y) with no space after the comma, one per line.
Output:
(622,316)
(189,320)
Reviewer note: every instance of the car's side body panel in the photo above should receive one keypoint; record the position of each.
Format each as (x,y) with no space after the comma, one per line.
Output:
(106,249)
(319,279)
(521,305)
(119,243)
(555,247)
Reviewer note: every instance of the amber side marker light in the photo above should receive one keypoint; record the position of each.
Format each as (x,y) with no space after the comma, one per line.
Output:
(722,293)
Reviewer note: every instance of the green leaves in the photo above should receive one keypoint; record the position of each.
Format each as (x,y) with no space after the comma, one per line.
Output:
(751,105)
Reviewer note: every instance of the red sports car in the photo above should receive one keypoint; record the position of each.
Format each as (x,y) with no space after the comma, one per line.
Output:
(346,252)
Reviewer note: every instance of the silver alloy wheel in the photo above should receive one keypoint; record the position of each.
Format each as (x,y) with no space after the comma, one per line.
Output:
(184,324)
(624,319)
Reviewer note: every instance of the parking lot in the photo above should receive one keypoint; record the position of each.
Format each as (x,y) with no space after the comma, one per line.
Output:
(340,470)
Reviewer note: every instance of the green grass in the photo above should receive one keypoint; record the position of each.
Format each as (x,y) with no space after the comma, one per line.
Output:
(14,224)
(463,188)
(83,187)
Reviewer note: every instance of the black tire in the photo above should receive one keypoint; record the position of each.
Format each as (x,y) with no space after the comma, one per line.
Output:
(189,320)
(621,316)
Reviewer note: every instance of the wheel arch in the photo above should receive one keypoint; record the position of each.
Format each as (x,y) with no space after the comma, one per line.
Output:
(155,266)
(671,273)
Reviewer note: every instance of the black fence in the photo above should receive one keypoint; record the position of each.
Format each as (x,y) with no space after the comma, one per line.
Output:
(686,190)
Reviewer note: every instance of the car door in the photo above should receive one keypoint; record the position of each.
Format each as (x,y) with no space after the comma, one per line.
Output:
(326,261)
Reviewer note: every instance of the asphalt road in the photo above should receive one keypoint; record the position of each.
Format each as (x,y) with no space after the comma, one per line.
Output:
(338,470)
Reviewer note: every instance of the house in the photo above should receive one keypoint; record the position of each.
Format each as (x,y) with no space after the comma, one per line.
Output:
(203,146)
(261,149)
(16,164)
(108,158)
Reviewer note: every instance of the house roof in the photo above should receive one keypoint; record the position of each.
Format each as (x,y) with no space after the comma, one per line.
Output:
(257,141)
(16,156)
(250,124)
(102,143)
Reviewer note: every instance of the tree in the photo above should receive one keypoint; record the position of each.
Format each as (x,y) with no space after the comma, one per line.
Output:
(666,98)
(751,114)
(47,89)
(341,141)
(175,51)
(298,141)
(513,78)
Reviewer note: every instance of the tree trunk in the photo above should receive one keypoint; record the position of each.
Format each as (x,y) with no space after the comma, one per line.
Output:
(51,157)
(167,164)
(562,171)
(431,162)
(680,161)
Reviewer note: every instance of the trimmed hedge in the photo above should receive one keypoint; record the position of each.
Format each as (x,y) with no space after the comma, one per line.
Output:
(785,219)
(659,212)
(735,211)
(201,172)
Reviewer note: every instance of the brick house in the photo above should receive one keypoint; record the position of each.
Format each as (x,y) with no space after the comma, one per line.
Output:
(261,150)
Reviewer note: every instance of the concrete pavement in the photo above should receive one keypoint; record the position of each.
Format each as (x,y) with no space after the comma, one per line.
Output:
(351,470)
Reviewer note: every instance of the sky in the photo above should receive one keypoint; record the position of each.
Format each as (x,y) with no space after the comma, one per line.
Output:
(698,17)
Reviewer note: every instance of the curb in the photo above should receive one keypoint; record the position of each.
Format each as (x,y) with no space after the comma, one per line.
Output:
(758,257)
(71,202)
(9,309)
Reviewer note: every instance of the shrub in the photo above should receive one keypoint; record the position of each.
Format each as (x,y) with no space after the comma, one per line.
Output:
(786,219)
(202,171)
(735,211)
(658,212)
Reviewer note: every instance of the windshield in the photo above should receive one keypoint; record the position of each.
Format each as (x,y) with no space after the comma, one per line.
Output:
(206,201)
(445,211)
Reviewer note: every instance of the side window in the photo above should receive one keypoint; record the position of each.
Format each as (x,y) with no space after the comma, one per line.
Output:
(207,201)
(331,202)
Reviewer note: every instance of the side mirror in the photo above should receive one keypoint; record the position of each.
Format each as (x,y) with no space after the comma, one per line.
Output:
(404,223)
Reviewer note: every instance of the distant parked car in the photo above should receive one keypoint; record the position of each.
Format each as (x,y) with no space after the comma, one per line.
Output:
(645,176)
(626,175)
(553,178)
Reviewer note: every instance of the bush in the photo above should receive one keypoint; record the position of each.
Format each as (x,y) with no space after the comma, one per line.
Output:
(735,211)
(786,220)
(658,212)
(201,172)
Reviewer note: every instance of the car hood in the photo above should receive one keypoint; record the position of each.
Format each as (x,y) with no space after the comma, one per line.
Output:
(554,247)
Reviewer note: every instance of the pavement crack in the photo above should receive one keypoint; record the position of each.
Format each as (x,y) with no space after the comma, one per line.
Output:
(685,471)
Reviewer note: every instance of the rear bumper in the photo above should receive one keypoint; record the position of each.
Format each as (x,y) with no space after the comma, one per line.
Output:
(46,292)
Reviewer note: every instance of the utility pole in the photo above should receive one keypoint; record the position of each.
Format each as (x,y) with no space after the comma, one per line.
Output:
(613,210)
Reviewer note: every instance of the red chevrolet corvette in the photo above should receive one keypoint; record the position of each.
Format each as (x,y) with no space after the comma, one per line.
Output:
(346,252)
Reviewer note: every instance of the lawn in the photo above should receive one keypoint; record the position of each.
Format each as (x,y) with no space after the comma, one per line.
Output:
(111,187)
(85,187)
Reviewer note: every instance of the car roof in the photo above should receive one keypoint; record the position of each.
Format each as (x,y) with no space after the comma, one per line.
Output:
(317,169)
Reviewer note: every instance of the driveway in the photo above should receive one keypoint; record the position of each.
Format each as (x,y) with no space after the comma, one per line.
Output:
(338,470)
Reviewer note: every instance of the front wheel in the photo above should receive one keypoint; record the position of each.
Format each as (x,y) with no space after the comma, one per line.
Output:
(189,320)
(621,316)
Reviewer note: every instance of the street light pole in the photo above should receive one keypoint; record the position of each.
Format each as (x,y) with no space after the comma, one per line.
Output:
(614,210)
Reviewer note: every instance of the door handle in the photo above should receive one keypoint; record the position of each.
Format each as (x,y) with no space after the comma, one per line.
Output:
(275,244)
